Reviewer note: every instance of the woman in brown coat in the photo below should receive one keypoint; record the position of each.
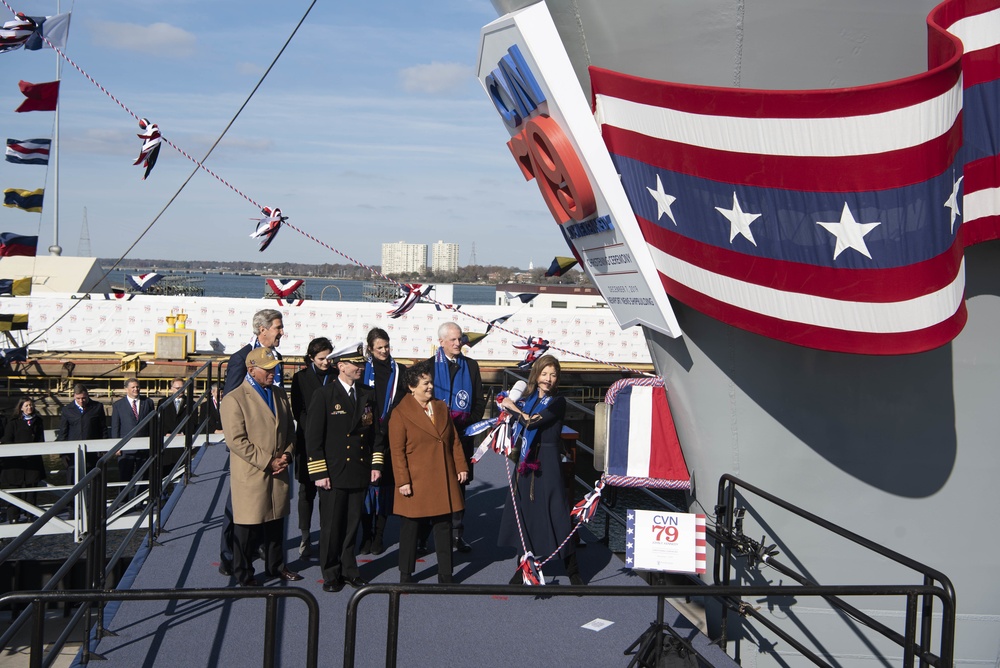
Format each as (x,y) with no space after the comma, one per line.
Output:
(429,465)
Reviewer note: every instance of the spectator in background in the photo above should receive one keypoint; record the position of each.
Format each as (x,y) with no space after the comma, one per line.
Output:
(81,420)
(210,411)
(126,413)
(27,471)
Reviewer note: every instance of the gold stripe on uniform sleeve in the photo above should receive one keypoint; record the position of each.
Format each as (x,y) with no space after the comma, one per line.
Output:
(317,466)
(378,458)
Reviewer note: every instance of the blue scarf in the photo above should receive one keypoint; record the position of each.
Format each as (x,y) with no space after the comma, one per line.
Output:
(323,375)
(529,405)
(391,387)
(266,393)
(277,369)
(456,393)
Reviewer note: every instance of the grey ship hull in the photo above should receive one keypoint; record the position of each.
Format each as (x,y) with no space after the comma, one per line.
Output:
(898,449)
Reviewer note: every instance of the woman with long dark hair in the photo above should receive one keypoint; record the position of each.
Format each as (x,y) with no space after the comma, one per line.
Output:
(305,382)
(28,471)
(539,503)
(386,377)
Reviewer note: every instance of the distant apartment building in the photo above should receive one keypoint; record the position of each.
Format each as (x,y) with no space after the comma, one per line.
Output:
(444,258)
(403,258)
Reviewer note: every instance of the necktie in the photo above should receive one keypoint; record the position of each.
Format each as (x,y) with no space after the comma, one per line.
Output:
(350,393)
(135,408)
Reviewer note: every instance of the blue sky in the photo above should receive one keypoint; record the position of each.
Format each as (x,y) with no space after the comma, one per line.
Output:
(372,127)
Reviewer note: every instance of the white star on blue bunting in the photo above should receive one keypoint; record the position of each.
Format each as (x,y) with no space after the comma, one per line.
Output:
(849,233)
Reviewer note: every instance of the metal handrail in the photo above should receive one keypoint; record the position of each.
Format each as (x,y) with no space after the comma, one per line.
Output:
(39,599)
(90,493)
(726,535)
(395,591)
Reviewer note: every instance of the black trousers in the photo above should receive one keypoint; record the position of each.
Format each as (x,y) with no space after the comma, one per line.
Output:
(409,528)
(307,497)
(246,539)
(226,537)
(339,517)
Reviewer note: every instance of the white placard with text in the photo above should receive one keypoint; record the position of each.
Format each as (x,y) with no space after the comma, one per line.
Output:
(661,541)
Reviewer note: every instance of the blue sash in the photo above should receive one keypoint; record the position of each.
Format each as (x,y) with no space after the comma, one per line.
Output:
(391,387)
(529,405)
(266,393)
(456,393)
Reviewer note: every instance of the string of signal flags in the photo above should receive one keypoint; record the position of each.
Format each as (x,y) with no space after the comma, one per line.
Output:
(32,33)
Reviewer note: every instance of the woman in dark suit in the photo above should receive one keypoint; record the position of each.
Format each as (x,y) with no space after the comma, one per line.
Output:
(28,471)
(429,465)
(540,502)
(304,383)
(384,375)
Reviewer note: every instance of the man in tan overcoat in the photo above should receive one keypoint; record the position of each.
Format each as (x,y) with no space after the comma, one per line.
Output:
(257,421)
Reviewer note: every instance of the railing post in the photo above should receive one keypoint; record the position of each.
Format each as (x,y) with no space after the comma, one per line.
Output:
(37,634)
(926,619)
(101,538)
(155,475)
(910,633)
(392,631)
(270,645)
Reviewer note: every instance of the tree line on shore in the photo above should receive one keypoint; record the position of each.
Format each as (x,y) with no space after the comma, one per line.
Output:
(483,274)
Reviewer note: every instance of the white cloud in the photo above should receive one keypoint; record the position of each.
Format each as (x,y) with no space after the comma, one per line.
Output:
(159,39)
(435,77)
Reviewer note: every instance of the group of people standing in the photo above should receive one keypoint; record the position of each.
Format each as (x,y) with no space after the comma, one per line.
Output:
(372,439)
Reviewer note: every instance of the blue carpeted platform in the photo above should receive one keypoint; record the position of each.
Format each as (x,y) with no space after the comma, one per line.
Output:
(434,630)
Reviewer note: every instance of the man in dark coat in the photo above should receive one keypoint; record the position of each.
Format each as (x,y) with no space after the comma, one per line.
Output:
(83,419)
(461,388)
(126,413)
(268,328)
(345,455)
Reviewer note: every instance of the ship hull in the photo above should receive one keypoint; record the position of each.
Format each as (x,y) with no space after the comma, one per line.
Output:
(901,450)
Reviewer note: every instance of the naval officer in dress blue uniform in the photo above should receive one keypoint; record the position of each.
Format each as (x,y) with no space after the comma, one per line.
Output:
(345,454)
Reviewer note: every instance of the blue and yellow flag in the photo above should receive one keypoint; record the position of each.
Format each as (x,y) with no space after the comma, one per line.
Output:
(17,287)
(28,200)
(560,265)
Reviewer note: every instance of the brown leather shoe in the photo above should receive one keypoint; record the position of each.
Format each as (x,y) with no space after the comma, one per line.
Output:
(287,575)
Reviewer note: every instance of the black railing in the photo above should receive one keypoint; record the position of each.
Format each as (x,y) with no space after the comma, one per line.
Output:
(38,600)
(730,540)
(92,488)
(395,591)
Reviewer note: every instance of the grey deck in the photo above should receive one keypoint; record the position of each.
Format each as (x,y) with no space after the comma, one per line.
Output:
(434,630)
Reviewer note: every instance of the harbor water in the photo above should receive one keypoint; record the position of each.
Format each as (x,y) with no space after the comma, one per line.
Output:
(328,289)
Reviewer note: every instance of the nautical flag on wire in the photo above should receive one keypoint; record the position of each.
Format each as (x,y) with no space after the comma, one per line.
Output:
(17,287)
(40,96)
(15,32)
(523,297)
(29,200)
(53,28)
(10,322)
(834,219)
(28,151)
(12,244)
(143,282)
(643,449)
(282,289)
(560,265)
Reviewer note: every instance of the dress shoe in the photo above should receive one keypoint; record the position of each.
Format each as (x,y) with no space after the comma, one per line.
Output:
(305,549)
(287,575)
(422,549)
(225,569)
(252,582)
(575,579)
(357,582)
(366,547)
(333,586)
(461,545)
